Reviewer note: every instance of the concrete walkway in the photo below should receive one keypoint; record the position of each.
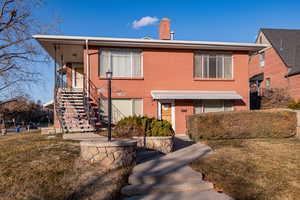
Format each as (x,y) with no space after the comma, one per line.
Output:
(169,178)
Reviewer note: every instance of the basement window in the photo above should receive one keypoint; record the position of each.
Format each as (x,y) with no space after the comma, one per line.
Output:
(122,108)
(212,105)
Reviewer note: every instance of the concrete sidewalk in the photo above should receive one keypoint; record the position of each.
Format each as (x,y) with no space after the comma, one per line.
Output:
(168,177)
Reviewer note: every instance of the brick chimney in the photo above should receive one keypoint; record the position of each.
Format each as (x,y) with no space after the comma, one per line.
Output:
(164,29)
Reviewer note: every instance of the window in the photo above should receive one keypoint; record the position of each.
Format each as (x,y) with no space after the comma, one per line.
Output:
(268,83)
(213,65)
(262,59)
(122,108)
(212,105)
(122,63)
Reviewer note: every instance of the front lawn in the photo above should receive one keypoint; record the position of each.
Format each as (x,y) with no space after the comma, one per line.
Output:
(254,168)
(35,167)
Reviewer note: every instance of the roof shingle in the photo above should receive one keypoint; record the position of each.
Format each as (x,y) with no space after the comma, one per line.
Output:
(286,42)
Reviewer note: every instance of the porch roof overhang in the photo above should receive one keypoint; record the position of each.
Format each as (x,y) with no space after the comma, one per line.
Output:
(48,41)
(195,94)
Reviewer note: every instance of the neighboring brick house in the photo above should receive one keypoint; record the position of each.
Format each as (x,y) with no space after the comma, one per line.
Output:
(162,78)
(277,66)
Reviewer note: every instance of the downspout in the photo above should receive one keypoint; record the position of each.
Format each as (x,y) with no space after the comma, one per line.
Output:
(87,68)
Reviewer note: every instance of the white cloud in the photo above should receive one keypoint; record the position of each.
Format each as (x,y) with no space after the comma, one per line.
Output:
(144,21)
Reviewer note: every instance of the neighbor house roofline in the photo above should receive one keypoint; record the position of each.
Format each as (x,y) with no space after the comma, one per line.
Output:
(46,40)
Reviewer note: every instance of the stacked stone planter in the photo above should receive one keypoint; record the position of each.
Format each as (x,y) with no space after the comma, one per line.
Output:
(114,154)
(162,144)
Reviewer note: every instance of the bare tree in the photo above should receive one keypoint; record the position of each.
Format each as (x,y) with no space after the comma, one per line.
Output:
(18,51)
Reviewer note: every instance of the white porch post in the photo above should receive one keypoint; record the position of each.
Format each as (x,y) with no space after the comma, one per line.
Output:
(87,68)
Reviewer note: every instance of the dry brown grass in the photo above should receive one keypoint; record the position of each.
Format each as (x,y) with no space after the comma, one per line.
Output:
(34,167)
(254,169)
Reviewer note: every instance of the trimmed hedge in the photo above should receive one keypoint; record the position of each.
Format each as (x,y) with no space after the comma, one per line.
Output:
(294,105)
(142,126)
(242,125)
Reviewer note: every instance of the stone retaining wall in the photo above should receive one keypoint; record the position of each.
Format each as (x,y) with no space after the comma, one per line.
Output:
(118,153)
(163,144)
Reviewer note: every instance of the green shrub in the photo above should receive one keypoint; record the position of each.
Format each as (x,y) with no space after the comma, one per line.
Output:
(294,105)
(142,126)
(242,125)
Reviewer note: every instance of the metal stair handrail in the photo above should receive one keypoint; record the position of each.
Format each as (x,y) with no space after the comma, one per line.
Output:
(59,85)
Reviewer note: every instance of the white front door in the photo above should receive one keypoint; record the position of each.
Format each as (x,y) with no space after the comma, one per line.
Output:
(77,75)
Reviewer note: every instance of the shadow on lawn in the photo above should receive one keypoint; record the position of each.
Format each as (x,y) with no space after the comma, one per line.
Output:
(101,186)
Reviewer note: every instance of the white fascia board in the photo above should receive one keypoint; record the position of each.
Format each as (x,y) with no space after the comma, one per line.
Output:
(180,44)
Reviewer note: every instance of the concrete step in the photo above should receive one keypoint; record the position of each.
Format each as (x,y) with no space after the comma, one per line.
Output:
(71,93)
(73,111)
(76,125)
(75,105)
(165,176)
(73,114)
(71,96)
(79,130)
(70,90)
(69,108)
(73,118)
(173,161)
(147,155)
(75,122)
(71,102)
(182,195)
(140,189)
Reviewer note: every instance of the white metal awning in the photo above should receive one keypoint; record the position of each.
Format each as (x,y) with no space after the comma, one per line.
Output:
(194,94)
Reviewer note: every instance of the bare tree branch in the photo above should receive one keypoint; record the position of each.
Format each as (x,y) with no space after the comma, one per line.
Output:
(18,51)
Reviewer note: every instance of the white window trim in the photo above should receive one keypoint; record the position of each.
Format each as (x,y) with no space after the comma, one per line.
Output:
(131,61)
(268,83)
(223,63)
(172,111)
(262,63)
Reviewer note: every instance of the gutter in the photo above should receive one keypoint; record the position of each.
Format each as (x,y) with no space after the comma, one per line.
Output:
(148,43)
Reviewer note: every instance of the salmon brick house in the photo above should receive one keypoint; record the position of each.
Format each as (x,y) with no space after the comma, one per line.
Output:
(278,65)
(162,78)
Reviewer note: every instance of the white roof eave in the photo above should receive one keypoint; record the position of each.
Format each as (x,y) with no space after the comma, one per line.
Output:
(126,42)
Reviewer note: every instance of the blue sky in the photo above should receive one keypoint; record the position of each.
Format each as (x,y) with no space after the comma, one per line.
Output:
(210,20)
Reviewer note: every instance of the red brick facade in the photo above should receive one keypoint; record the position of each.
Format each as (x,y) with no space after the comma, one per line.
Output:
(275,69)
(168,69)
